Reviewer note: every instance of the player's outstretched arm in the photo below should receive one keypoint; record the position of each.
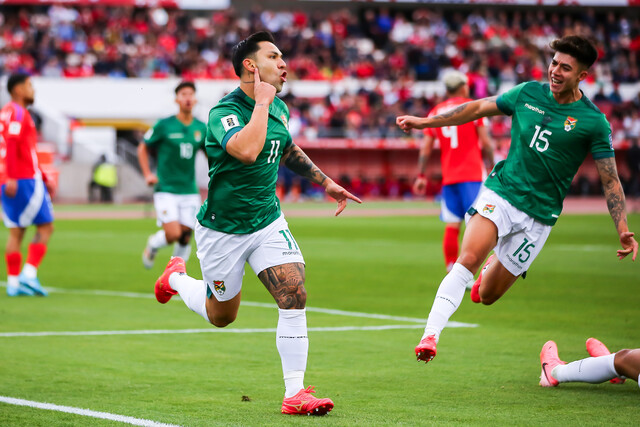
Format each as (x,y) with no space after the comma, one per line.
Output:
(616,204)
(464,113)
(297,161)
(143,160)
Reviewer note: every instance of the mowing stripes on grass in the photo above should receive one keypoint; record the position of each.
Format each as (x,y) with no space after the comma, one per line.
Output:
(200,331)
(451,324)
(84,412)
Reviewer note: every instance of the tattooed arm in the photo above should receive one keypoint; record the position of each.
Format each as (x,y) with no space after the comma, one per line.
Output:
(420,184)
(464,113)
(616,205)
(297,161)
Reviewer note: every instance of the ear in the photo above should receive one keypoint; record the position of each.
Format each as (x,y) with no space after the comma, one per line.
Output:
(249,65)
(583,75)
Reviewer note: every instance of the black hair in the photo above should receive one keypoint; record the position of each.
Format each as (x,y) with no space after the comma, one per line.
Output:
(579,47)
(184,84)
(16,79)
(247,47)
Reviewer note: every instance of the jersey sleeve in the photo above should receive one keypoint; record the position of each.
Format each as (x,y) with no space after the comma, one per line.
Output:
(289,137)
(507,101)
(154,135)
(225,120)
(602,142)
(13,134)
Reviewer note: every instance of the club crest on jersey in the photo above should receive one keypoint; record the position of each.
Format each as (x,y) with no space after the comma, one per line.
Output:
(197,135)
(284,121)
(570,123)
(488,208)
(218,286)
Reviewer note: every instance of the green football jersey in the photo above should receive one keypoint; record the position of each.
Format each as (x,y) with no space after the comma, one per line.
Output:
(176,145)
(549,142)
(242,198)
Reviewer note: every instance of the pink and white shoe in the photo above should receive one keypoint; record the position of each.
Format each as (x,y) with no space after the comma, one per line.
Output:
(596,348)
(549,359)
(426,350)
(303,403)
(475,295)
(163,290)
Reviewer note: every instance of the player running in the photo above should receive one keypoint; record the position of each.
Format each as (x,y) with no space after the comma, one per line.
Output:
(600,367)
(462,149)
(554,127)
(176,198)
(25,192)
(241,220)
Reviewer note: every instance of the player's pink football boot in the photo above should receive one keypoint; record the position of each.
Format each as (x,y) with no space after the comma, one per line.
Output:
(596,348)
(549,359)
(426,350)
(303,403)
(164,292)
(475,295)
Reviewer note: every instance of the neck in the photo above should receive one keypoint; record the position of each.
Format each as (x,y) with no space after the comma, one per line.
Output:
(184,117)
(247,84)
(20,102)
(568,97)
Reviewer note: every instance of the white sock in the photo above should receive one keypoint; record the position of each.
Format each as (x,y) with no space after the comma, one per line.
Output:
(193,292)
(183,251)
(30,271)
(448,299)
(293,346)
(590,370)
(158,240)
(13,282)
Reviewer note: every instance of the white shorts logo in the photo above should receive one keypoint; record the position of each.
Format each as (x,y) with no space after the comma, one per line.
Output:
(230,121)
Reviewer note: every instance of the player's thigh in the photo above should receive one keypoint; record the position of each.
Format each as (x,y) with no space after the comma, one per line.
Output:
(480,237)
(188,208)
(278,262)
(222,257)
(221,313)
(167,207)
(496,280)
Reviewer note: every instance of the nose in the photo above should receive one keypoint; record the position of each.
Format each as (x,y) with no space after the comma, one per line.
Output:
(282,64)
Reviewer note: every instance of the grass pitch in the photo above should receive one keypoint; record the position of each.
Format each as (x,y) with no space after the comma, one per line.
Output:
(380,265)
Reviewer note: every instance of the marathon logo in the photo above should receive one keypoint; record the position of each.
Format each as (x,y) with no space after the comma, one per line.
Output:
(536,109)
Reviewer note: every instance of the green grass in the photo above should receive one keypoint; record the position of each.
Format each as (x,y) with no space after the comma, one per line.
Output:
(391,265)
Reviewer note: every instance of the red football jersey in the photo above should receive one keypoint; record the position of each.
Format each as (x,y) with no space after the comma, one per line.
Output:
(19,139)
(461,153)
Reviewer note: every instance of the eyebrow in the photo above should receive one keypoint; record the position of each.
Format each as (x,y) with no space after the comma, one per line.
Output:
(275,53)
(561,63)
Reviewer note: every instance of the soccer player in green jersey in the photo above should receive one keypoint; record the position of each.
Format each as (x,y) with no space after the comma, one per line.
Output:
(241,220)
(176,140)
(554,126)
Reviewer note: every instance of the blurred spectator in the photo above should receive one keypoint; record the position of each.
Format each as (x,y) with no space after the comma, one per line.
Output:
(633,162)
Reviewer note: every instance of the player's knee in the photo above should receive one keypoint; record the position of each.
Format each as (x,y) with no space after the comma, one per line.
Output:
(185,237)
(293,298)
(487,297)
(470,261)
(621,361)
(172,236)
(222,321)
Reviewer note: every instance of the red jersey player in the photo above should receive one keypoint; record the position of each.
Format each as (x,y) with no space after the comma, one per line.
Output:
(25,198)
(462,150)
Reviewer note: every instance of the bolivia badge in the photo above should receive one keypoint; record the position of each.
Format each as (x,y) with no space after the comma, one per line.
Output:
(570,123)
(284,121)
(488,208)
(218,286)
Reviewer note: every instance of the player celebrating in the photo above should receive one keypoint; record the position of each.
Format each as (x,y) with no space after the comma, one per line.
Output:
(462,150)
(241,220)
(600,367)
(554,126)
(176,199)
(25,193)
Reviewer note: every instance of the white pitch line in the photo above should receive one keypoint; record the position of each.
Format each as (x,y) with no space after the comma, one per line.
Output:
(199,331)
(84,412)
(450,324)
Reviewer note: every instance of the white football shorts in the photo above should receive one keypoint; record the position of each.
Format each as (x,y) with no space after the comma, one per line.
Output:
(520,237)
(176,207)
(222,256)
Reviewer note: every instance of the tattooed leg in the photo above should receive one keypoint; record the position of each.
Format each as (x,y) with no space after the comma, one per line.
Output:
(286,284)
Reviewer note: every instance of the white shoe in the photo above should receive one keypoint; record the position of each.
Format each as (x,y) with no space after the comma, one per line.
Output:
(148,255)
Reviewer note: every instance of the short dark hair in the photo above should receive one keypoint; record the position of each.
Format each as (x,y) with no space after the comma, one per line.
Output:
(247,47)
(15,80)
(579,47)
(184,84)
